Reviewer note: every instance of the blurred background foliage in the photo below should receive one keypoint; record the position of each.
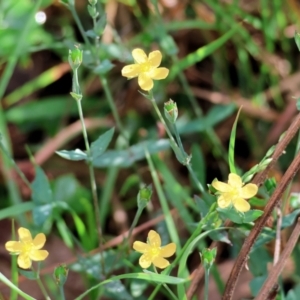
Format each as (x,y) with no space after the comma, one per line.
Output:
(221,55)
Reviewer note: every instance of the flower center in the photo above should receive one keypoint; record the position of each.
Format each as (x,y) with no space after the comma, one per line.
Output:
(27,247)
(155,251)
(145,67)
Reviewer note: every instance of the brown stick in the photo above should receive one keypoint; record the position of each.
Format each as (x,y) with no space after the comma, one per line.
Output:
(259,179)
(277,269)
(259,225)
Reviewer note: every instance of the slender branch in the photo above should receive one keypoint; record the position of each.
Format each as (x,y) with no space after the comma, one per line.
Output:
(267,287)
(289,134)
(274,200)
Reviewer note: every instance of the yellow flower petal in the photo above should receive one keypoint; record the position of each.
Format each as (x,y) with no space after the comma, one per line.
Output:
(14,247)
(249,190)
(160,262)
(224,201)
(154,239)
(24,235)
(159,73)
(241,205)
(154,58)
(141,247)
(145,82)
(131,71)
(235,180)
(38,255)
(221,186)
(168,250)
(139,56)
(24,261)
(145,261)
(39,241)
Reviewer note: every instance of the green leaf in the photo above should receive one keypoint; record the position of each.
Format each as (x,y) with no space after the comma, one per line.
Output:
(65,188)
(31,275)
(41,191)
(216,115)
(116,290)
(104,67)
(237,217)
(232,144)
(148,276)
(42,197)
(15,210)
(99,146)
(200,54)
(252,215)
(100,25)
(75,155)
(198,164)
(125,158)
(297,39)
(256,284)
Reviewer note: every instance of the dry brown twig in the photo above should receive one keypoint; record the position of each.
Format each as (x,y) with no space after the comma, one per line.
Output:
(273,201)
(269,284)
(259,179)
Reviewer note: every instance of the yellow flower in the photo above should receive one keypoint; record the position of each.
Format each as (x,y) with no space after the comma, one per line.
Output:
(234,193)
(27,248)
(145,68)
(152,251)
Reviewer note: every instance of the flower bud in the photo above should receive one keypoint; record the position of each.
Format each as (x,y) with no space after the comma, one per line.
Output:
(60,274)
(208,257)
(144,196)
(93,2)
(171,111)
(75,58)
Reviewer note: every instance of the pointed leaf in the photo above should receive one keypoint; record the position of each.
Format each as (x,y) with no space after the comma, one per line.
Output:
(75,155)
(100,145)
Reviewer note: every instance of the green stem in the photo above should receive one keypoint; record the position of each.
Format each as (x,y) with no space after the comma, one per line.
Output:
(102,77)
(166,287)
(18,170)
(135,221)
(197,182)
(40,283)
(91,171)
(15,288)
(62,292)
(113,108)
(206,283)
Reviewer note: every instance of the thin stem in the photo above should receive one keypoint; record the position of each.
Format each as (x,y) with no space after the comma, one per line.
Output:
(40,283)
(62,292)
(14,287)
(18,170)
(206,283)
(91,171)
(135,221)
(102,77)
(113,108)
(188,165)
(76,88)
(166,287)
(197,182)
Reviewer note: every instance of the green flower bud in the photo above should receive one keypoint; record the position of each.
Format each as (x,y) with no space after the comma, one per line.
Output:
(75,58)
(92,11)
(144,196)
(208,257)
(60,274)
(93,2)
(171,111)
